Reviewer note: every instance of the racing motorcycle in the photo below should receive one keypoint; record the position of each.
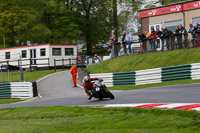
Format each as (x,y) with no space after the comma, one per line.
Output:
(100,90)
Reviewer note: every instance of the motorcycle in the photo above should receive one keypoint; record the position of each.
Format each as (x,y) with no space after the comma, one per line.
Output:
(100,90)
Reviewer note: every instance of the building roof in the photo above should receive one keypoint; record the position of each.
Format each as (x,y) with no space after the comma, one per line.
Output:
(172,8)
(52,44)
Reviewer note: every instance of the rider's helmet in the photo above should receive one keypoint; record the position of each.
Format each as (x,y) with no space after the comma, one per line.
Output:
(86,79)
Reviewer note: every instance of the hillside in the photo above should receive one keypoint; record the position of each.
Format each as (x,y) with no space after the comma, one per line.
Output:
(147,61)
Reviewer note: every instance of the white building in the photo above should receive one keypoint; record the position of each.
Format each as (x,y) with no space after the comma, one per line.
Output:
(42,55)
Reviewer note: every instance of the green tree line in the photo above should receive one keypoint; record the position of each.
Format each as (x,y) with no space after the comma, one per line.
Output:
(62,21)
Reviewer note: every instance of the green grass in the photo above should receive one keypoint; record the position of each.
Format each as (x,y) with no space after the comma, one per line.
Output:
(33,76)
(4,101)
(147,61)
(131,87)
(98,120)
(28,76)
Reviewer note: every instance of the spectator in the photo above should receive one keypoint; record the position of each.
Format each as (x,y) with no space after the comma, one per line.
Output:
(178,35)
(197,32)
(114,50)
(167,37)
(143,39)
(128,41)
(148,38)
(124,42)
(172,40)
(97,59)
(121,52)
(162,38)
(194,37)
(185,35)
(158,35)
(153,40)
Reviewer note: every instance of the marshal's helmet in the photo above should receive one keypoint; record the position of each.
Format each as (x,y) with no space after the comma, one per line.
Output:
(86,79)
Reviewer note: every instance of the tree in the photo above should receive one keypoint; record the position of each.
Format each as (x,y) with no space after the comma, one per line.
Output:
(37,21)
(165,2)
(94,20)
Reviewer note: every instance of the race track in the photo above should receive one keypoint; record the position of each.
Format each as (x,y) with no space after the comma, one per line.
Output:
(57,90)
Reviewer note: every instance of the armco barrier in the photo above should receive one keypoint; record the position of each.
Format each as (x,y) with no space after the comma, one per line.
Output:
(22,90)
(150,76)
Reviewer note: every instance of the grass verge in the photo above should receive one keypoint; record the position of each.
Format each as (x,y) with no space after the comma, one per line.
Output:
(147,61)
(33,76)
(4,101)
(98,120)
(131,87)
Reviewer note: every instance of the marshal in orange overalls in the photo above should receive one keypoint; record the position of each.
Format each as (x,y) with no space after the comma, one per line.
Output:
(73,71)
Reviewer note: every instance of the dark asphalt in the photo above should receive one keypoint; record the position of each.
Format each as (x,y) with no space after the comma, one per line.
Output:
(57,90)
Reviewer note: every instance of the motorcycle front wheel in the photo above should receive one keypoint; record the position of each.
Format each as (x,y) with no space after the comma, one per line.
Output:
(110,95)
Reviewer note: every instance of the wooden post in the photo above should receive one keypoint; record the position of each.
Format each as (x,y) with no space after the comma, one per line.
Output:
(48,64)
(30,65)
(63,64)
(70,62)
(55,65)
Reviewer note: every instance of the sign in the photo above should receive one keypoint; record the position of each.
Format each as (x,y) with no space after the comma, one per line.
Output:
(160,11)
(79,58)
(191,5)
(113,32)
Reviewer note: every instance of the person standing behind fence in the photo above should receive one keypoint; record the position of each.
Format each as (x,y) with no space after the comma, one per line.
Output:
(147,37)
(114,50)
(73,71)
(191,31)
(185,35)
(143,39)
(153,40)
(178,35)
(124,42)
(128,41)
(158,35)
(197,32)
(167,38)
(162,38)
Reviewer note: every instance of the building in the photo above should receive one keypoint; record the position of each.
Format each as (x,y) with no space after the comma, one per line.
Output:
(38,55)
(170,16)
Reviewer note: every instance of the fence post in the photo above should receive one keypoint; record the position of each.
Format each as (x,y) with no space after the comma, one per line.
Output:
(63,64)
(70,62)
(30,64)
(48,64)
(55,65)
(8,70)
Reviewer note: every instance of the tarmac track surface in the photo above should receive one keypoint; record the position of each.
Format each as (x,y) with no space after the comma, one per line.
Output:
(57,90)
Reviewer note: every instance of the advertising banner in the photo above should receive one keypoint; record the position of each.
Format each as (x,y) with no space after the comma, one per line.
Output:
(191,5)
(160,11)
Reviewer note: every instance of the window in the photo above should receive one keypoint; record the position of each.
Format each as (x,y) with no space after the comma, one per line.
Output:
(195,20)
(7,54)
(172,25)
(42,52)
(23,53)
(69,51)
(56,52)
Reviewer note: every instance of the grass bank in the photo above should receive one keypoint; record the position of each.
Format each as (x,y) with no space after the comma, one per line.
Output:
(147,61)
(4,101)
(98,120)
(131,87)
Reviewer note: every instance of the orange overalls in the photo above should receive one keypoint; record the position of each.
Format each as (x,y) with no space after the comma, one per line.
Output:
(73,71)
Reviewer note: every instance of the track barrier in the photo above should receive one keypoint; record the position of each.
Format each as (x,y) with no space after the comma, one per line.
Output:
(150,76)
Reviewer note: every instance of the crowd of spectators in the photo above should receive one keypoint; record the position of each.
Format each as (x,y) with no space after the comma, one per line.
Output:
(177,39)
(150,41)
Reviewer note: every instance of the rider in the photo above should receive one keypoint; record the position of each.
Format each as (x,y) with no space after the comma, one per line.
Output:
(88,85)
